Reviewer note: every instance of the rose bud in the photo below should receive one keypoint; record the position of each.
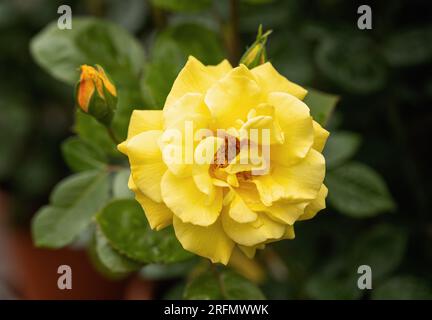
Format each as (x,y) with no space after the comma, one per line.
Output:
(256,54)
(96,94)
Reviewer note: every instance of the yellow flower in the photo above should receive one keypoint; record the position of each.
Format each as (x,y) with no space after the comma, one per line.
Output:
(216,206)
(95,93)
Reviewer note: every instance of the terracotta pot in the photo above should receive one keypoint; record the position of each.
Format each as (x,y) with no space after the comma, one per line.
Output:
(36,273)
(32,272)
(139,289)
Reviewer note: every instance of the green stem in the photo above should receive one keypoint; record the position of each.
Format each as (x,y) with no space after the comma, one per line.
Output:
(112,135)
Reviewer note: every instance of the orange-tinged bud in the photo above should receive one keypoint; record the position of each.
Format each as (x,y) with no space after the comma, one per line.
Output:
(96,94)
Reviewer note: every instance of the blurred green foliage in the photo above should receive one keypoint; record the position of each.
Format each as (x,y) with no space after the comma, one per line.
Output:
(377,156)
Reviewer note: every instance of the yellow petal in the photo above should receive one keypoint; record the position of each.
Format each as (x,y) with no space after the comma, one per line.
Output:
(296,123)
(158,214)
(210,241)
(86,89)
(262,124)
(272,81)
(248,251)
(146,164)
(190,107)
(220,70)
(248,268)
(232,97)
(240,212)
(299,182)
(144,120)
(251,157)
(251,251)
(106,82)
(177,151)
(315,205)
(269,190)
(252,233)
(187,202)
(285,212)
(303,180)
(195,78)
(181,122)
(281,211)
(289,233)
(320,137)
(203,158)
(249,193)
(131,184)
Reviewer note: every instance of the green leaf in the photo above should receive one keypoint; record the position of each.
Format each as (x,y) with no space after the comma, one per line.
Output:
(81,156)
(321,105)
(108,260)
(403,288)
(352,63)
(193,39)
(124,224)
(221,285)
(409,47)
(182,5)
(73,203)
(381,248)
(90,41)
(170,52)
(160,74)
(340,147)
(358,191)
(94,41)
(94,133)
(120,185)
(156,271)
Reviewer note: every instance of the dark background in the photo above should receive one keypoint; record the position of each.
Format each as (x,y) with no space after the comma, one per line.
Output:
(383,78)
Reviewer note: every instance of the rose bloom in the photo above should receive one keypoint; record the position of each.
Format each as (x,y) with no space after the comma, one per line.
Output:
(216,207)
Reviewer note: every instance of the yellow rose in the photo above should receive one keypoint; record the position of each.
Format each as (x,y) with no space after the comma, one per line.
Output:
(216,206)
